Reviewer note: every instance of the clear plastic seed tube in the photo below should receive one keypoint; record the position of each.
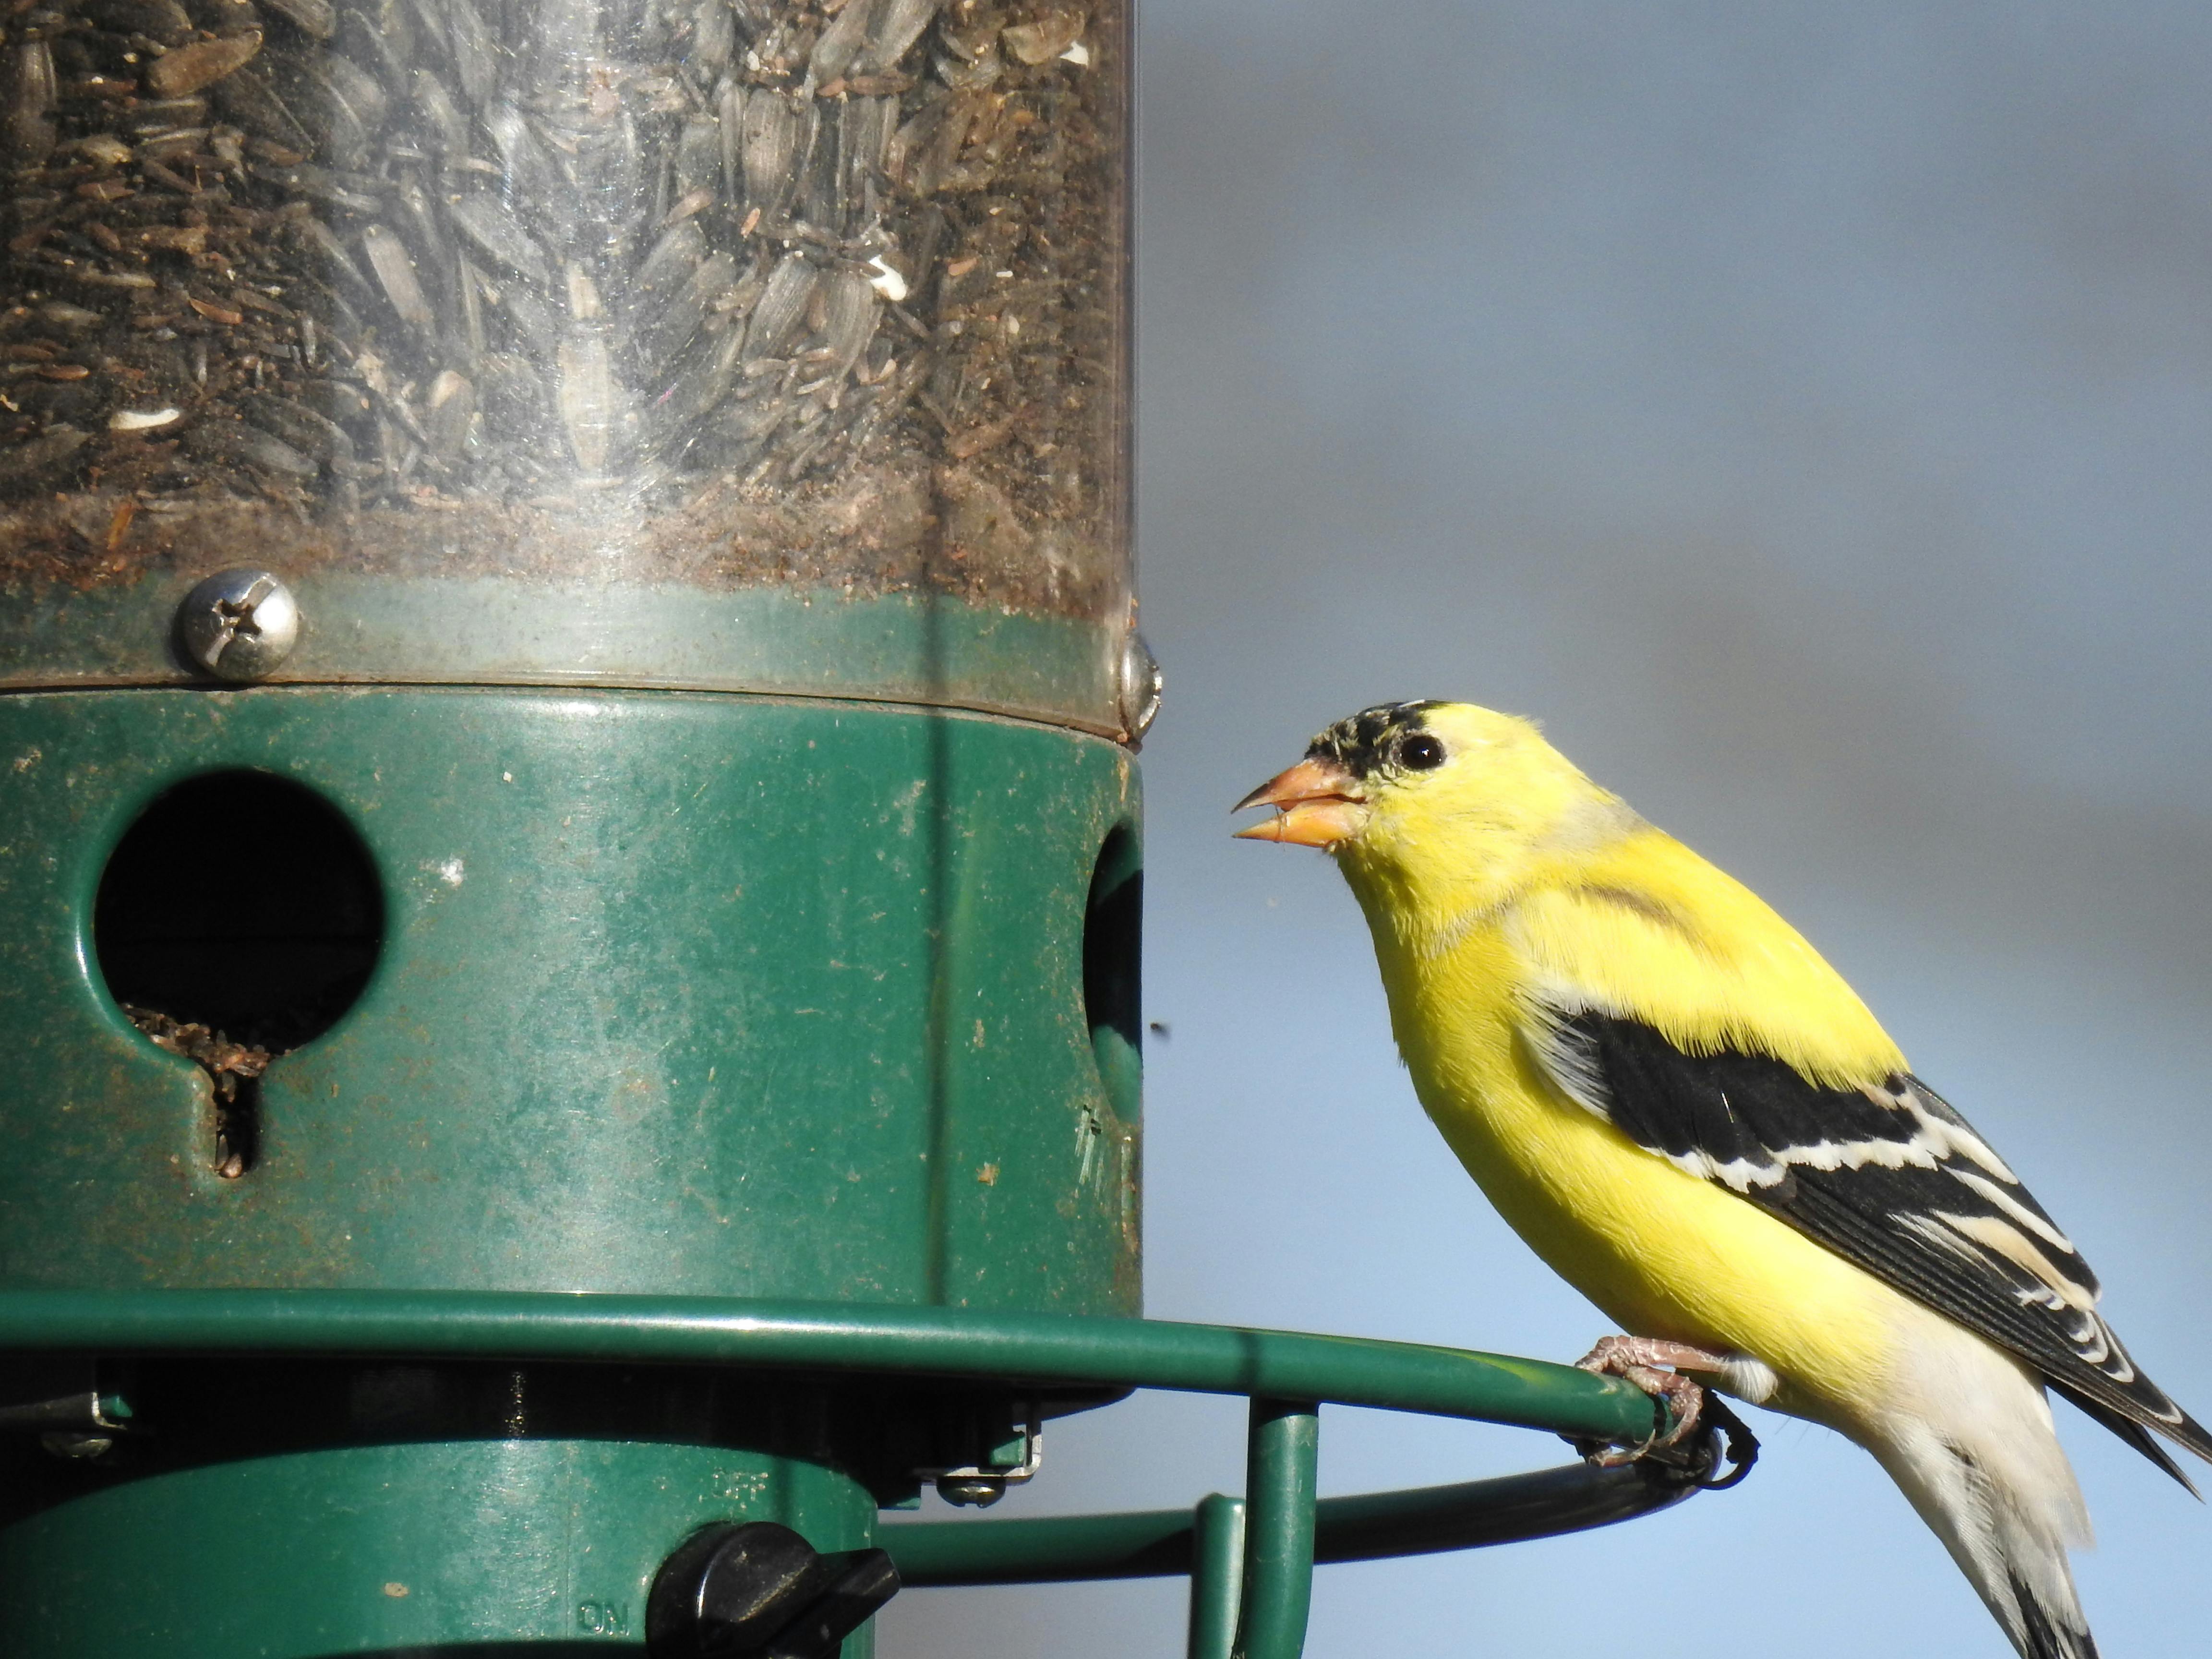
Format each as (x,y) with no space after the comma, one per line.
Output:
(677,296)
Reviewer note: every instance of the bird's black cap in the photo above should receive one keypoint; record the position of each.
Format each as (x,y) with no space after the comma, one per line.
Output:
(1361,742)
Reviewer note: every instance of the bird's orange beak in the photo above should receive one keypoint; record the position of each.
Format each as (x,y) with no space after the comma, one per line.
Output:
(1317,804)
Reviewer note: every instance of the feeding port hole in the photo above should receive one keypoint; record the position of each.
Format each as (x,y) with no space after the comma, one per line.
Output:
(1112,940)
(237,918)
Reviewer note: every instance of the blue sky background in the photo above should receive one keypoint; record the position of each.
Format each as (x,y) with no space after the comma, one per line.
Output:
(1806,412)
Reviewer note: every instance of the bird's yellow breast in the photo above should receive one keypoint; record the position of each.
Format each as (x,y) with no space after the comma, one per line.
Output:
(1663,1252)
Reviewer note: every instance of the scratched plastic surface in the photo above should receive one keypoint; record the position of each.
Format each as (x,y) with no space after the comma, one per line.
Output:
(578,297)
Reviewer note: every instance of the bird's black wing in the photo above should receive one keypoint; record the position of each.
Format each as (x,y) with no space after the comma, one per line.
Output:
(1889,1177)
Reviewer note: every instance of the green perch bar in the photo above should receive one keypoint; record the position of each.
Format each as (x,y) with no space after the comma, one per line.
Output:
(1250,1559)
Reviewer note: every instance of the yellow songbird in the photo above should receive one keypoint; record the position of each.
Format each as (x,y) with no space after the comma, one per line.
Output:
(1687,1112)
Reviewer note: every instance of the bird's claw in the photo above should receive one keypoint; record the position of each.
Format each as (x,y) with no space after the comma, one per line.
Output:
(1703,1433)
(1724,1438)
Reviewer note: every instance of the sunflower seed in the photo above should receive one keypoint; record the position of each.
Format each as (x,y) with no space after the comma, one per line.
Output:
(498,234)
(30,84)
(235,441)
(326,253)
(713,35)
(663,333)
(448,409)
(142,420)
(353,110)
(848,319)
(442,118)
(671,262)
(396,272)
(776,137)
(246,97)
(104,149)
(897,26)
(533,325)
(163,22)
(62,314)
(841,43)
(782,306)
(313,434)
(381,35)
(316,19)
(474,59)
(730,109)
(589,401)
(188,69)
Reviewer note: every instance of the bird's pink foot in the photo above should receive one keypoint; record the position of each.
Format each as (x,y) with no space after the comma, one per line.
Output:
(1696,1413)
(1636,1359)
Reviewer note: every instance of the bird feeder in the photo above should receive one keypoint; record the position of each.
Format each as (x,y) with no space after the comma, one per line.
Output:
(569,911)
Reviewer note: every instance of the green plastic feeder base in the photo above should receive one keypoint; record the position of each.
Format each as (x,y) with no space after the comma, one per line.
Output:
(567,992)
(426,1550)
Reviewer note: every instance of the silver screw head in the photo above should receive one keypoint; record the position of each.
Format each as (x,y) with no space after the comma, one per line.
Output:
(971,1491)
(1140,688)
(239,624)
(76,1443)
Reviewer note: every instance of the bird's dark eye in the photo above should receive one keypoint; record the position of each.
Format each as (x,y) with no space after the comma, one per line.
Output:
(1420,752)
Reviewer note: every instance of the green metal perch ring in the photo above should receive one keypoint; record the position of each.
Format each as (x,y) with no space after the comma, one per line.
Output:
(1249,1560)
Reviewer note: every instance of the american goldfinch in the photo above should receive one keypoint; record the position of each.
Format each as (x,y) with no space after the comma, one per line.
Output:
(1692,1118)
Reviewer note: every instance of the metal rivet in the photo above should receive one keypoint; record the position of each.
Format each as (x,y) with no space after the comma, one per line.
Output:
(239,624)
(1138,691)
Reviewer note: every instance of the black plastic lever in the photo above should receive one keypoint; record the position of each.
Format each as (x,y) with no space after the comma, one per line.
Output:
(758,1590)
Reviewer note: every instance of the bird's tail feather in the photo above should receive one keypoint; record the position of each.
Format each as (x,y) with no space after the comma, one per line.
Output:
(1976,1455)
(2134,1434)
(2040,1638)
(2009,1542)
